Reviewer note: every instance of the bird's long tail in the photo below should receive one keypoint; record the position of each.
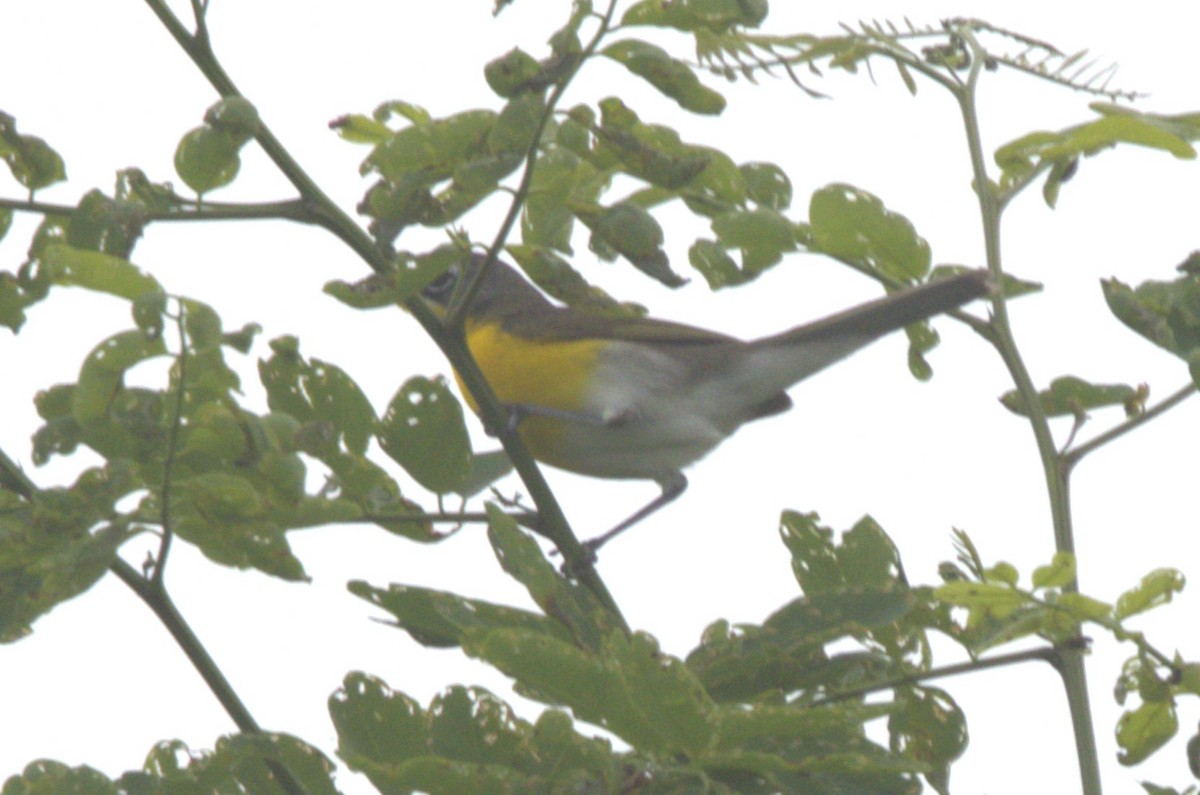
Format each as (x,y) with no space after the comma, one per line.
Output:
(799,352)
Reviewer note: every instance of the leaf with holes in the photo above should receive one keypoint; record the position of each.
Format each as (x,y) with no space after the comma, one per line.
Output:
(423,431)
(852,224)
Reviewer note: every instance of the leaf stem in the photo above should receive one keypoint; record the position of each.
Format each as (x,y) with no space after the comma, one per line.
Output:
(990,206)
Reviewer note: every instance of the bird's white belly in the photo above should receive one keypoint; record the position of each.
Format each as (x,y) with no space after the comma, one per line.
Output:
(645,416)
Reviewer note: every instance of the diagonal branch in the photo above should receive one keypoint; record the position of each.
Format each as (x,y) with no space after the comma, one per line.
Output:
(327,214)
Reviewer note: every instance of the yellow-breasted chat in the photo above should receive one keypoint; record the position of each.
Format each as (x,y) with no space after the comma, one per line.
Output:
(641,398)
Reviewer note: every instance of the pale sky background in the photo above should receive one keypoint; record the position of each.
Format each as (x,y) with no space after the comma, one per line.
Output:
(99,681)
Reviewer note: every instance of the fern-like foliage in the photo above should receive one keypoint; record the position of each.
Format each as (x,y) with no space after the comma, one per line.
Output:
(943,50)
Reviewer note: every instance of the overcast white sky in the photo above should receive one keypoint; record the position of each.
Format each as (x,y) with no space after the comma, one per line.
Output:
(99,681)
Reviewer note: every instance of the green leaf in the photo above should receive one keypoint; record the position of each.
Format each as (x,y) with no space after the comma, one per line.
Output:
(430,151)
(1144,730)
(516,125)
(814,559)
(423,431)
(242,340)
(47,777)
(207,158)
(239,763)
(762,235)
(411,275)
(998,599)
(359,479)
(472,725)
(338,400)
(1060,152)
(1166,313)
(320,394)
(922,338)
(149,312)
(233,523)
(280,376)
(867,556)
(573,606)
(234,115)
(555,275)
(486,469)
(513,73)
(715,265)
(1156,588)
(633,233)
(93,270)
(673,78)
(109,225)
(13,301)
(651,152)
(468,740)
(827,615)
(662,690)
(202,324)
(852,224)
(694,15)
(376,725)
(441,619)
(1083,608)
(643,696)
(767,185)
(45,560)
(1071,396)
(1003,572)
(741,727)
(930,727)
(360,129)
(31,160)
(103,372)
(405,110)
(1059,574)
(545,218)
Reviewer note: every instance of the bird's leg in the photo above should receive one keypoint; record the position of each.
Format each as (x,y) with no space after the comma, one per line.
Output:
(673,484)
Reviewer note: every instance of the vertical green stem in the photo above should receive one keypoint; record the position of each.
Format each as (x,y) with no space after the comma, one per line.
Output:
(1072,669)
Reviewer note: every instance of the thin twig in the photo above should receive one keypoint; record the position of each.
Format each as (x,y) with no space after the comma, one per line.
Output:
(1046,654)
(1075,455)
(13,478)
(164,544)
(287,210)
(457,314)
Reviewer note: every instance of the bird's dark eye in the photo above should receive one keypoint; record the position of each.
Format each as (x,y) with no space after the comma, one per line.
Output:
(439,289)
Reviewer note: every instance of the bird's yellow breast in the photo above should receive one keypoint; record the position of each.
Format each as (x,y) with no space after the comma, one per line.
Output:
(534,373)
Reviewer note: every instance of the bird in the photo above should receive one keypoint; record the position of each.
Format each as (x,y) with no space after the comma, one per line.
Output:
(639,398)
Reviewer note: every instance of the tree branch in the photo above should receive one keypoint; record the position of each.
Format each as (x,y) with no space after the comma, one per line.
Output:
(553,523)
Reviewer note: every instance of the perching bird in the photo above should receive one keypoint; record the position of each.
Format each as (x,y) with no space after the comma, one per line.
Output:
(641,398)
